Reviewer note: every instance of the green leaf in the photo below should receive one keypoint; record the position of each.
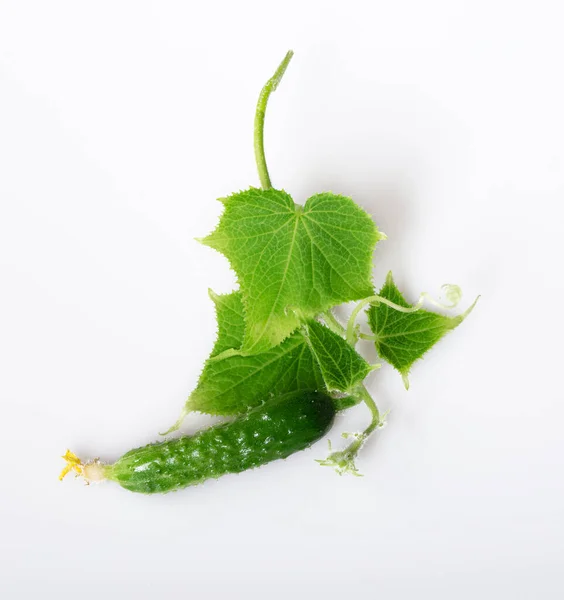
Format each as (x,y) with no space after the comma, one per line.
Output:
(343,369)
(292,261)
(312,358)
(235,384)
(403,338)
(230,321)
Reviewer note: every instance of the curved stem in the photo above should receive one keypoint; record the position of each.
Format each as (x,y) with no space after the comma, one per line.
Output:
(351,334)
(344,460)
(369,401)
(452,292)
(269,87)
(332,322)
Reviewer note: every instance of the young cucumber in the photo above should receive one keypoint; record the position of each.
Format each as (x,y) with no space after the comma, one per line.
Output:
(276,429)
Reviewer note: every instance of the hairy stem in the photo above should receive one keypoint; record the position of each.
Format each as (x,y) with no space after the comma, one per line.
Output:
(269,87)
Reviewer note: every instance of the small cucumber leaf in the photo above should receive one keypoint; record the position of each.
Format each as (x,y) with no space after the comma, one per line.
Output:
(403,338)
(342,368)
(235,384)
(292,261)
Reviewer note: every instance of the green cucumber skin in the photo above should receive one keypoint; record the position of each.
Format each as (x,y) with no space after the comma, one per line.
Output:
(276,429)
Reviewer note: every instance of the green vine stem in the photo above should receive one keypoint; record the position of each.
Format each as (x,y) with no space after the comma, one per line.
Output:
(269,87)
(369,401)
(332,322)
(343,461)
(451,291)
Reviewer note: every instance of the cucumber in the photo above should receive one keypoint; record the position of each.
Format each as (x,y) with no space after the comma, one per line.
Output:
(278,428)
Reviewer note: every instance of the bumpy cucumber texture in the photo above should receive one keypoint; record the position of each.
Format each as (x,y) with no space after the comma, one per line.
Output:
(276,429)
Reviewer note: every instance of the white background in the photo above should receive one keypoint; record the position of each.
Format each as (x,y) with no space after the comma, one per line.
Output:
(120,123)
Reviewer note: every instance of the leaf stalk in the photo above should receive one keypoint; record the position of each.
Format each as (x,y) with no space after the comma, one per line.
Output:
(260,113)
